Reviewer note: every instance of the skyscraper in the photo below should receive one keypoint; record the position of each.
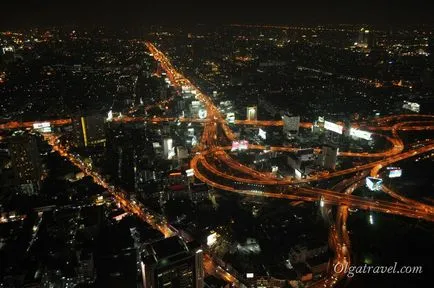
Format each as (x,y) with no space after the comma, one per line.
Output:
(88,131)
(26,162)
(328,157)
(291,125)
(366,39)
(129,156)
(171,263)
(168,148)
(252,113)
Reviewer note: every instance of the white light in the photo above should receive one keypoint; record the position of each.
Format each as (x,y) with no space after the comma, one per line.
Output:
(333,127)
(360,134)
(230,117)
(413,106)
(110,115)
(189,172)
(211,239)
(240,145)
(262,134)
(43,127)
(374,184)
(371,219)
(202,113)
(297,173)
(395,173)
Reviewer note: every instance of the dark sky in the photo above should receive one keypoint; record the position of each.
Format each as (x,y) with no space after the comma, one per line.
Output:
(21,13)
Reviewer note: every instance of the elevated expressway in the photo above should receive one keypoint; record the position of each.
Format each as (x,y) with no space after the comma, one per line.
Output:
(213,165)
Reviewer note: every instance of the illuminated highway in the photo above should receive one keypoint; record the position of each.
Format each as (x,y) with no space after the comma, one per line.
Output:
(213,164)
(216,168)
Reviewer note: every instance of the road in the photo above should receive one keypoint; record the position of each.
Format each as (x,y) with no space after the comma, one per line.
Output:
(214,165)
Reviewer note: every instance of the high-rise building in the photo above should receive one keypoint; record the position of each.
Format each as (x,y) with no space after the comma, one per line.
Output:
(7,54)
(366,39)
(171,263)
(291,125)
(116,257)
(252,113)
(328,157)
(129,156)
(88,131)
(168,148)
(332,138)
(26,162)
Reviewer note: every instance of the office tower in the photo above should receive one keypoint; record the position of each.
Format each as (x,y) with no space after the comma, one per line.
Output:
(371,42)
(328,157)
(361,41)
(168,148)
(171,263)
(291,125)
(332,138)
(252,113)
(129,156)
(116,258)
(26,162)
(366,39)
(7,54)
(88,131)
(195,106)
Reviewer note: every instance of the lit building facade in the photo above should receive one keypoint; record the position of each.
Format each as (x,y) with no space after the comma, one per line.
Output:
(171,263)
(88,131)
(252,113)
(26,162)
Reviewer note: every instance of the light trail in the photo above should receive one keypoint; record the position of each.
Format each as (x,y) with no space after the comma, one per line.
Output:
(212,155)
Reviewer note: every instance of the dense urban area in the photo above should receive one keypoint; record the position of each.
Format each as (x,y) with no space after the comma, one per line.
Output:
(216,156)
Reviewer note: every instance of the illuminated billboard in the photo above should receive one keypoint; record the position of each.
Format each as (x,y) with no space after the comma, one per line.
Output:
(244,145)
(413,106)
(43,127)
(262,134)
(235,146)
(240,145)
(333,127)
(230,117)
(189,172)
(195,103)
(202,113)
(360,134)
(394,172)
(374,184)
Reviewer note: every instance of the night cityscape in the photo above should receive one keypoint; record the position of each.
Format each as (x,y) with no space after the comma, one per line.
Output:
(150,145)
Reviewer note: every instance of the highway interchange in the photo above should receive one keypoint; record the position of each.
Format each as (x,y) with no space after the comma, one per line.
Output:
(214,165)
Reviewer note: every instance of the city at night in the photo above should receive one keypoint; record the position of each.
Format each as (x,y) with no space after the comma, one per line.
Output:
(216,145)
